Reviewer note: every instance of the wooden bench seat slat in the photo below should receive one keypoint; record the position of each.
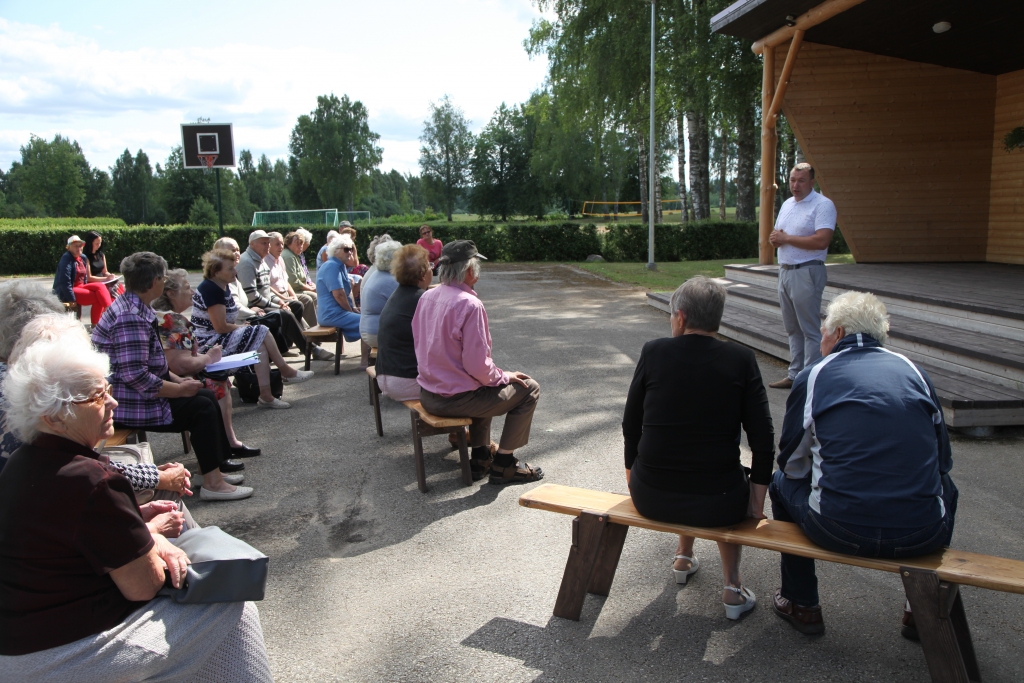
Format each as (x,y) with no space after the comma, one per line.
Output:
(435,421)
(955,566)
(119,438)
(319,331)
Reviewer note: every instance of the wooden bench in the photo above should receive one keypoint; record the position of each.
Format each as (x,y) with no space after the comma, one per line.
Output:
(931,582)
(322,332)
(123,436)
(372,362)
(425,424)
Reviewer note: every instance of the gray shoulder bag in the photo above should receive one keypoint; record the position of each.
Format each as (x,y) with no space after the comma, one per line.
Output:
(223,569)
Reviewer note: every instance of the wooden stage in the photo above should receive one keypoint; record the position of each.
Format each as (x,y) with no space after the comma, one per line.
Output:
(962,322)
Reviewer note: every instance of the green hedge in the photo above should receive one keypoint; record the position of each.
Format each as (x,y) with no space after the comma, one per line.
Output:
(686,242)
(64,223)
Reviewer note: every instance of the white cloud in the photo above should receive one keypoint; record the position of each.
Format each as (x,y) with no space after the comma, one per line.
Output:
(79,82)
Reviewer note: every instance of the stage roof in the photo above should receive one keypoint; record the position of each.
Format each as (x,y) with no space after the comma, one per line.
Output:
(985,36)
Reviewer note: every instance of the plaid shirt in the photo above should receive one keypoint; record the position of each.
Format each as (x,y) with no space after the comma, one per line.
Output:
(127,334)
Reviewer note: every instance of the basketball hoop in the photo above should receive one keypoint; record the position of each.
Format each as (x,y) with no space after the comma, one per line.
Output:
(208,160)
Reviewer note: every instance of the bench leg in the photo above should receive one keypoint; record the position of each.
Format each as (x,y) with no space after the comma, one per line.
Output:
(186,442)
(467,474)
(375,395)
(587,532)
(309,352)
(612,540)
(942,624)
(417,450)
(339,348)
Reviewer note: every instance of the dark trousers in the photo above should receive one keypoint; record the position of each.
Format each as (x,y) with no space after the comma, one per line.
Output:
(284,328)
(692,509)
(200,416)
(291,327)
(790,504)
(513,400)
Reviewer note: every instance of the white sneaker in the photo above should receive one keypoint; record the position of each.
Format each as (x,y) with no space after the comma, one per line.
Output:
(301,377)
(239,493)
(233,479)
(276,404)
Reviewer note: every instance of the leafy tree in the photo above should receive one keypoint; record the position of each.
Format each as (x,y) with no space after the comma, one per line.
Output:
(447,151)
(132,188)
(336,149)
(202,212)
(501,165)
(50,175)
(98,201)
(180,187)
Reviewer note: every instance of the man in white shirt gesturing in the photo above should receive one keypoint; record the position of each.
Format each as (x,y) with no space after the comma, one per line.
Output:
(802,234)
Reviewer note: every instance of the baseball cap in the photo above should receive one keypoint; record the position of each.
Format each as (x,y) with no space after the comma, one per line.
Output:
(75,238)
(256,235)
(459,251)
(344,224)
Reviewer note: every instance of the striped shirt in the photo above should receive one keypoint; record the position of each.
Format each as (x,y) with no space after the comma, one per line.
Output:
(127,333)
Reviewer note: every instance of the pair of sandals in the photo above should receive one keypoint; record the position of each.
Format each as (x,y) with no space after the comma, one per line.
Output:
(732,612)
(516,473)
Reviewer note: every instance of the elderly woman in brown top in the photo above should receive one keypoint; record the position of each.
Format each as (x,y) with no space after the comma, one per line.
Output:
(77,601)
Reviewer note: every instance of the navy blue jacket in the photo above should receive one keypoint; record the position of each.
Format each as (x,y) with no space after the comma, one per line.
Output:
(64,280)
(865,425)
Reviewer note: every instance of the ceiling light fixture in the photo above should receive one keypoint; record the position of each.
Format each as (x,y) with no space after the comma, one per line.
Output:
(942,27)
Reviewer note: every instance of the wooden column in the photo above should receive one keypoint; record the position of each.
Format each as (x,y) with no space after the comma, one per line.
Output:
(769,140)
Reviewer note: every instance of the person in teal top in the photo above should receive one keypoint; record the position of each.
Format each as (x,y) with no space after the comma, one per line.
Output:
(334,307)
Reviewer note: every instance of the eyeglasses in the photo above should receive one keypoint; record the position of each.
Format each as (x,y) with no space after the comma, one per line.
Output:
(347,250)
(98,398)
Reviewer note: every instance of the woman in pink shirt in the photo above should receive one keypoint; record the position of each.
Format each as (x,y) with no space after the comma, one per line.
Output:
(432,246)
(457,376)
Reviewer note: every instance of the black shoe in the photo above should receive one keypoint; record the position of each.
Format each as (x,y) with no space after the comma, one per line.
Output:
(229,466)
(245,452)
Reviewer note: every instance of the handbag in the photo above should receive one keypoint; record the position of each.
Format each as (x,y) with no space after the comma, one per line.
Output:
(249,387)
(223,569)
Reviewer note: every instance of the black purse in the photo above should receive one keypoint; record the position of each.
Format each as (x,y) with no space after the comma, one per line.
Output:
(249,387)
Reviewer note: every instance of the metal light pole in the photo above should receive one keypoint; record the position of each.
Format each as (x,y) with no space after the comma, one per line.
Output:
(651,157)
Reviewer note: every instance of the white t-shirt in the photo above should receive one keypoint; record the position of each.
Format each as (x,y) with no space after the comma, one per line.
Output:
(278,274)
(803,219)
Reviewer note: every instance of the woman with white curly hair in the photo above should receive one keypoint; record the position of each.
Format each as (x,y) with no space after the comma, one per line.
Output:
(335,307)
(78,601)
(376,292)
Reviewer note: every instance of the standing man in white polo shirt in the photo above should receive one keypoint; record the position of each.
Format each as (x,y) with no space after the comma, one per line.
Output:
(802,234)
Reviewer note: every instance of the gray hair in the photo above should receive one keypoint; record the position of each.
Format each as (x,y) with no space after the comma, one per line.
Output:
(49,327)
(384,252)
(337,243)
(455,273)
(140,269)
(44,381)
(371,250)
(275,236)
(702,301)
(20,302)
(306,235)
(332,235)
(228,243)
(858,312)
(175,281)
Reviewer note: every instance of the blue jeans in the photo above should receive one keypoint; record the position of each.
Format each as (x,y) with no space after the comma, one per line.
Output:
(790,504)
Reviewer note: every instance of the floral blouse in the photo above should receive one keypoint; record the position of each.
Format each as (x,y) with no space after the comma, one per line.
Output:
(176,334)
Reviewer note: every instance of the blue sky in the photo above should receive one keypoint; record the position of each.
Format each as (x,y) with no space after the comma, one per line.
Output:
(116,75)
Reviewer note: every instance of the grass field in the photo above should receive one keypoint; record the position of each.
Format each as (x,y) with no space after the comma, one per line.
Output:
(668,276)
(730,215)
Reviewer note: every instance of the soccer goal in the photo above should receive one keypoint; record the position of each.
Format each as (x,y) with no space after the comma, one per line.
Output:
(331,217)
(627,209)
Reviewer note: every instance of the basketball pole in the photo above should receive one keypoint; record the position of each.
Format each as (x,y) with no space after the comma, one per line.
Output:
(220,212)
(651,158)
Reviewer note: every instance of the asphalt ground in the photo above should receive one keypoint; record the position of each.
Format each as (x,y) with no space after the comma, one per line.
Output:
(371,580)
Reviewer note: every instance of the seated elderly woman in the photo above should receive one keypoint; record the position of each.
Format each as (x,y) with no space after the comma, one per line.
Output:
(273,320)
(213,317)
(457,376)
(280,283)
(396,354)
(864,457)
(295,244)
(183,351)
(691,393)
(378,286)
(72,283)
(30,312)
(334,289)
(78,600)
(149,395)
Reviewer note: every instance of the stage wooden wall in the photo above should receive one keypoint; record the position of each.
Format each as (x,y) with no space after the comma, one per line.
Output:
(1006,213)
(904,150)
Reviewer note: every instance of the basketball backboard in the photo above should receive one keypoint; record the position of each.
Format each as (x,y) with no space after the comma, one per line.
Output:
(207,139)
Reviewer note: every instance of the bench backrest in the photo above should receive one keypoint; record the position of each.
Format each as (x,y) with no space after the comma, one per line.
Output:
(956,566)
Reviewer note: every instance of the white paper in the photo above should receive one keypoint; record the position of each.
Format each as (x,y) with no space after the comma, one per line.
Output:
(234,361)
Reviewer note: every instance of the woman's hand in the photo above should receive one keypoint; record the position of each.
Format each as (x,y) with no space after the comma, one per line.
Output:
(755,508)
(214,354)
(174,477)
(156,507)
(174,559)
(167,524)
(257,310)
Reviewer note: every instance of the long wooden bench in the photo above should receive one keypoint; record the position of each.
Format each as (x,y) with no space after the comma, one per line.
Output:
(931,582)
(124,436)
(325,333)
(370,363)
(425,424)
(375,394)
